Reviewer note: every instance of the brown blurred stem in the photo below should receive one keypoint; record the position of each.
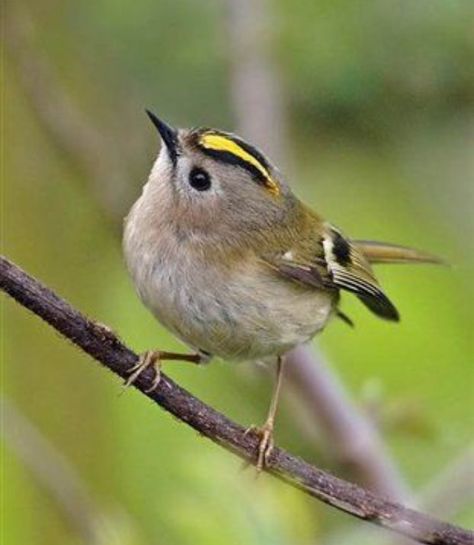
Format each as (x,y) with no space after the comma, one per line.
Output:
(352,439)
(52,470)
(76,134)
(453,488)
(104,346)
(256,91)
(258,102)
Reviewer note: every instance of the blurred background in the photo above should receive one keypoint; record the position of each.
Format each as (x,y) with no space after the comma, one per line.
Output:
(368,107)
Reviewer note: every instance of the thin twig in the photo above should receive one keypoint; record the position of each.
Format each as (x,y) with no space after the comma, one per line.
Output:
(104,346)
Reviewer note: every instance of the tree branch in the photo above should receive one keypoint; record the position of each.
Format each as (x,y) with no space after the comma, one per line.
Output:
(103,345)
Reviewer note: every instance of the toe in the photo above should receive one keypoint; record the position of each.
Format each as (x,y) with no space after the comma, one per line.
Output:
(156,380)
(264,449)
(147,359)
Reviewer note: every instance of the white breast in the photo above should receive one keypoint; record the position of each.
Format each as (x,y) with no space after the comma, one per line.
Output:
(243,313)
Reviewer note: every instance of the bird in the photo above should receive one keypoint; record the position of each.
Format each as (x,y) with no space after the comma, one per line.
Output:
(235,265)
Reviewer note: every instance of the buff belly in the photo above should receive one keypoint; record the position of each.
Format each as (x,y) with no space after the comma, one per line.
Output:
(237,314)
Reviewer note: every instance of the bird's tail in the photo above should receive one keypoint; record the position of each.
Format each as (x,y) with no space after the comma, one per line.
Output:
(382,252)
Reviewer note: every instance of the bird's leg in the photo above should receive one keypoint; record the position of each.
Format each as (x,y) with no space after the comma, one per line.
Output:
(154,358)
(265,432)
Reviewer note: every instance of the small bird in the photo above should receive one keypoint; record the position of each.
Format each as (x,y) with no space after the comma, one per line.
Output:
(231,262)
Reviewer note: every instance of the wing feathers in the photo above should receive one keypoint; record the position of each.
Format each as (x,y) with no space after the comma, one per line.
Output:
(303,274)
(351,271)
(368,293)
(335,262)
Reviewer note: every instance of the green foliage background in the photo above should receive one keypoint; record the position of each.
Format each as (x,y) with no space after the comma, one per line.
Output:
(380,102)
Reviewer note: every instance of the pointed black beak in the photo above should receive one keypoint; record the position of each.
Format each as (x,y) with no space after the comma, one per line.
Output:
(168,135)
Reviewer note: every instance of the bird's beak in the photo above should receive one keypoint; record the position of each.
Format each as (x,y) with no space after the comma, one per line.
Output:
(168,134)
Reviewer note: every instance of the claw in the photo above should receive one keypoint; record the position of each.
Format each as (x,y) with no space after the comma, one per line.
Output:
(265,446)
(147,359)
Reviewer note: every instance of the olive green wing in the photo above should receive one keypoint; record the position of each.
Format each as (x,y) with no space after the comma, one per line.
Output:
(333,263)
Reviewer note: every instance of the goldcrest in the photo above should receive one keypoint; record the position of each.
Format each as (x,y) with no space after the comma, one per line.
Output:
(230,261)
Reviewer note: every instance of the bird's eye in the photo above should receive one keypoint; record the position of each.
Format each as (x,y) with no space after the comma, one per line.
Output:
(199,179)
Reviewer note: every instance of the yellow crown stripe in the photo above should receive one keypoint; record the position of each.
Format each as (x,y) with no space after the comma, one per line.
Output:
(220,142)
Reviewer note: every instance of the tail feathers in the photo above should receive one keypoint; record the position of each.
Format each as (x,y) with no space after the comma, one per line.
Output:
(382,252)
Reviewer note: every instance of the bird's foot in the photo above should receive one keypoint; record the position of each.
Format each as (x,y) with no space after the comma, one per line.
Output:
(265,446)
(151,358)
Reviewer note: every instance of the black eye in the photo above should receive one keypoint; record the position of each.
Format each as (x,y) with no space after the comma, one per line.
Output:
(199,179)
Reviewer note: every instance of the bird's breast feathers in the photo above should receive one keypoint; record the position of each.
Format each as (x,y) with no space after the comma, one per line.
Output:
(239,311)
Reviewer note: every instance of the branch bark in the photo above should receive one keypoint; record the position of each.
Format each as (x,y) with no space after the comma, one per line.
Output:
(104,346)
